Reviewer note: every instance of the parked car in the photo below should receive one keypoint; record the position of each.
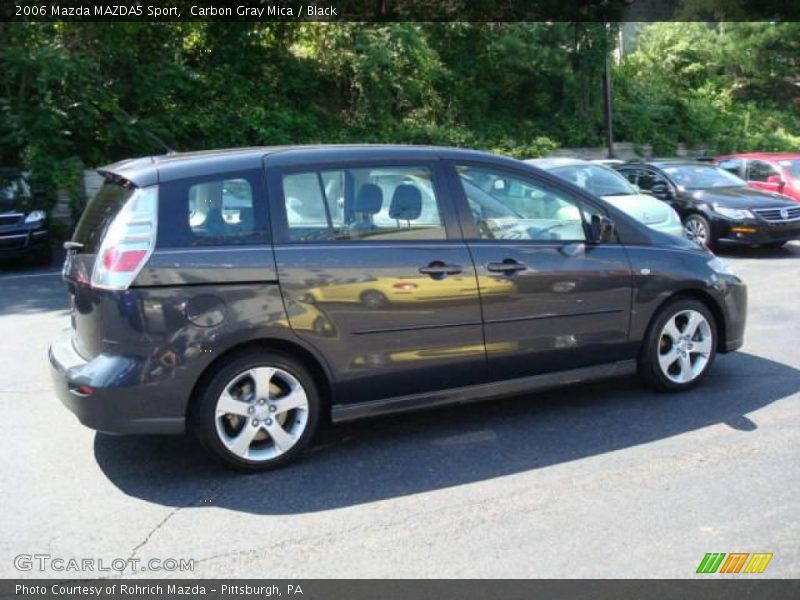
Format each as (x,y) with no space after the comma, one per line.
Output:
(186,323)
(24,233)
(612,187)
(777,172)
(715,205)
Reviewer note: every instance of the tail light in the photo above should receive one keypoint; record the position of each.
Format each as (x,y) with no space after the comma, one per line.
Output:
(128,243)
(405,286)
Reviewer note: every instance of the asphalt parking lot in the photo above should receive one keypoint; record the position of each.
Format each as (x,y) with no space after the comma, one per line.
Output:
(607,480)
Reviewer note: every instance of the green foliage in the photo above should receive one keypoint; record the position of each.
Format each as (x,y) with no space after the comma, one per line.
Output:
(730,86)
(93,93)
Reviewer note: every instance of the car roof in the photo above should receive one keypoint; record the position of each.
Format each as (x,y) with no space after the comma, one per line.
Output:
(768,156)
(555,162)
(150,170)
(665,162)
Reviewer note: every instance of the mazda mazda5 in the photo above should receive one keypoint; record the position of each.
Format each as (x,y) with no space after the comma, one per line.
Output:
(249,295)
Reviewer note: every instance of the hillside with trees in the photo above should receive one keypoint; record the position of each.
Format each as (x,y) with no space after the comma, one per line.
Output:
(75,94)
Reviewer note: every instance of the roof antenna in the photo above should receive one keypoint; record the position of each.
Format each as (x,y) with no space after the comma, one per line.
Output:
(149,133)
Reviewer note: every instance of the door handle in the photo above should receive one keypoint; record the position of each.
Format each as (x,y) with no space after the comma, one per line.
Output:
(437,269)
(507,266)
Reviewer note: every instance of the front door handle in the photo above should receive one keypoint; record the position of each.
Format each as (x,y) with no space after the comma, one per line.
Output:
(438,269)
(507,266)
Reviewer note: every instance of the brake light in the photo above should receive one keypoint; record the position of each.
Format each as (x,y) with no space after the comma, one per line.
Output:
(123,261)
(128,243)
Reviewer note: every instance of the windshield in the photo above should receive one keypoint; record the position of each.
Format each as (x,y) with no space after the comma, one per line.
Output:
(596,180)
(12,187)
(793,166)
(702,177)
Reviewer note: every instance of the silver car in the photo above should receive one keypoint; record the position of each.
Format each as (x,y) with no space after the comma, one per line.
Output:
(615,189)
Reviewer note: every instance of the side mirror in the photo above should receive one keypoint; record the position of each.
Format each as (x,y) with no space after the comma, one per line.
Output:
(776,180)
(602,229)
(660,190)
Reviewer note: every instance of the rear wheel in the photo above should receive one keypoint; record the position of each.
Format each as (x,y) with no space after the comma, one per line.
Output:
(680,346)
(258,411)
(698,229)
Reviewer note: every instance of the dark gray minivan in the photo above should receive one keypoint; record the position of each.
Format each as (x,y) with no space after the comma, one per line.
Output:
(249,294)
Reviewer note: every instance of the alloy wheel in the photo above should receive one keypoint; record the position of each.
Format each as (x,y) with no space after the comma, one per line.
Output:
(696,230)
(685,346)
(261,413)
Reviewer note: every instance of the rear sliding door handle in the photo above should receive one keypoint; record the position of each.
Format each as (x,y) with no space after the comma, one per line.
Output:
(507,266)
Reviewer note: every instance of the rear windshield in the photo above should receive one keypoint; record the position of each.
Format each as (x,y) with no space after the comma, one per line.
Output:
(99,213)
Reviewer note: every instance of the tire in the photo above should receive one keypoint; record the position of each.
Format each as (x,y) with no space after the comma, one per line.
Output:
(666,339)
(374,300)
(247,438)
(697,228)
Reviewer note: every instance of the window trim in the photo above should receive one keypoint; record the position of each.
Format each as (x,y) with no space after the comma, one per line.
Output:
(168,191)
(277,202)
(467,222)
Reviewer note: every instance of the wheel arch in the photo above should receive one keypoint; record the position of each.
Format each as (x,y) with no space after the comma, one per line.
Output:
(701,296)
(318,369)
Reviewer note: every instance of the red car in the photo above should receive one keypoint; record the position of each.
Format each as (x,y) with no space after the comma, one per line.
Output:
(771,171)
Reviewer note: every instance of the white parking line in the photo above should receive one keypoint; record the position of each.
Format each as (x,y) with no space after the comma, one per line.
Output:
(30,275)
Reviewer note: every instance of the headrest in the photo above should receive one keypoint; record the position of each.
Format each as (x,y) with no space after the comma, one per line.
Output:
(406,203)
(369,199)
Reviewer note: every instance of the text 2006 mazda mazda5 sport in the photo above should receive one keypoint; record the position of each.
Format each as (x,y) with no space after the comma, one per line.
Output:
(247,295)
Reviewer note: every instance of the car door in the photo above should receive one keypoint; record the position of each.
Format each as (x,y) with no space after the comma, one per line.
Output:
(551,299)
(376,276)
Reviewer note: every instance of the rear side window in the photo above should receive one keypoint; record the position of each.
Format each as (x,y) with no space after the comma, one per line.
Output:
(222,211)
(369,203)
(99,214)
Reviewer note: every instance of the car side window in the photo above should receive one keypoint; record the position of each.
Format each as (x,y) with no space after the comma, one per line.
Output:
(758,170)
(510,207)
(363,203)
(650,179)
(631,175)
(228,210)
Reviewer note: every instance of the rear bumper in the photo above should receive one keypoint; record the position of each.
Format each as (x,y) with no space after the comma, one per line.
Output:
(115,403)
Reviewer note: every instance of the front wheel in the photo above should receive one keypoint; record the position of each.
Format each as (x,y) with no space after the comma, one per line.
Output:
(680,346)
(258,411)
(698,229)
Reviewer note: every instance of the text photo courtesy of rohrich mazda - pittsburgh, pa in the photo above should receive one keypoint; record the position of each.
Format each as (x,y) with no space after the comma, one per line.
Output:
(394,299)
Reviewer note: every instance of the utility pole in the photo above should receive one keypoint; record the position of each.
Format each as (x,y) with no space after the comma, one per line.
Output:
(608,116)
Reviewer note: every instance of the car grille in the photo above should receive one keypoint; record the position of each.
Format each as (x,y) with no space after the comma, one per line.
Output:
(779,215)
(10,218)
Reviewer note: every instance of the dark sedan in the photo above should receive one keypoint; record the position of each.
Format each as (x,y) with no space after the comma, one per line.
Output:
(23,223)
(715,205)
